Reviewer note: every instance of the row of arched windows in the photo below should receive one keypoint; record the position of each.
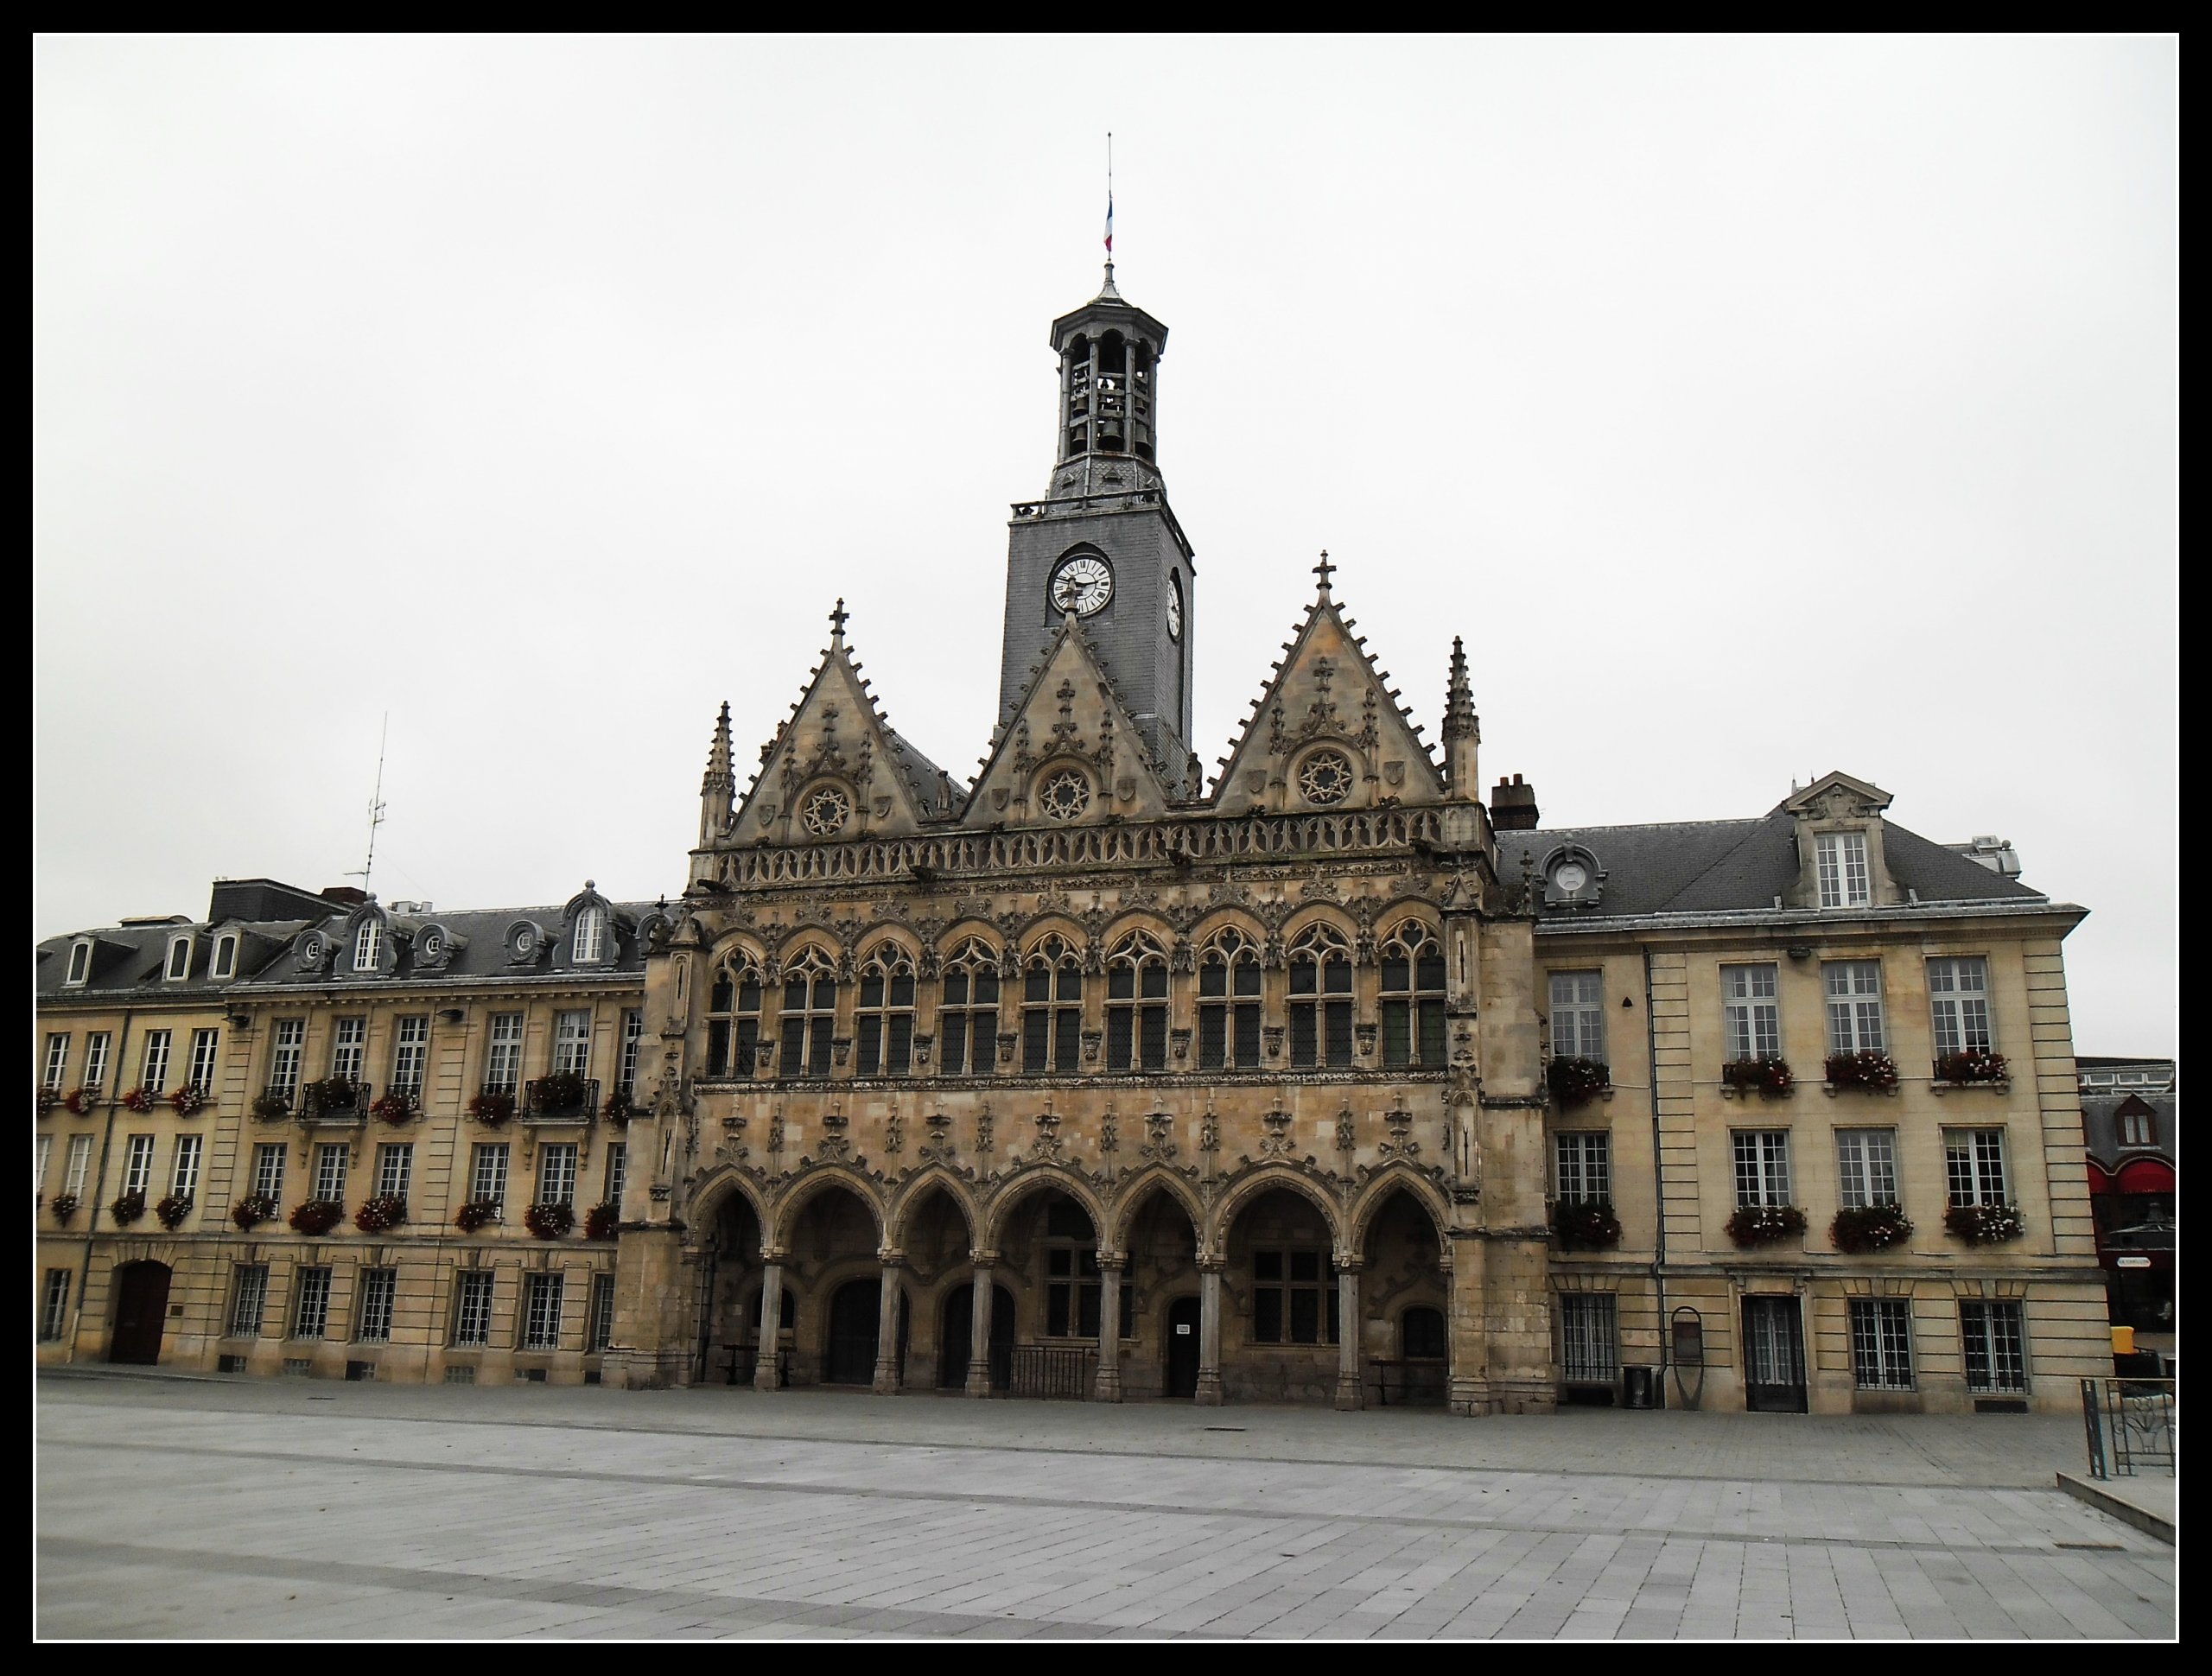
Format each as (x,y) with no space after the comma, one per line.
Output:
(790,1028)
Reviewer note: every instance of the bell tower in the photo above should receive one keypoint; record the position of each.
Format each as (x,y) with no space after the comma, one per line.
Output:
(1103,542)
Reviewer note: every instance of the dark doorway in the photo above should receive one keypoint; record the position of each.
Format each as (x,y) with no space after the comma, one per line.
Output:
(954,1344)
(853,1313)
(142,1305)
(1183,1347)
(1774,1356)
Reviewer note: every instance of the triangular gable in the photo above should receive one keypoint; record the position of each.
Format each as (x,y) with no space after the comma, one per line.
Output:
(1836,791)
(1069,721)
(835,770)
(1326,708)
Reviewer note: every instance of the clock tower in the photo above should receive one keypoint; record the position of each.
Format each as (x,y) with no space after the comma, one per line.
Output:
(1103,542)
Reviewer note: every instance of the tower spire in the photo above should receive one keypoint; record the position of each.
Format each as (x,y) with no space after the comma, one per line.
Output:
(1463,729)
(718,790)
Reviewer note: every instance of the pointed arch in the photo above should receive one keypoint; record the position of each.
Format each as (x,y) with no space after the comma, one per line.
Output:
(1376,1192)
(811,1186)
(1262,1181)
(1133,1193)
(907,1197)
(1026,1182)
(712,1191)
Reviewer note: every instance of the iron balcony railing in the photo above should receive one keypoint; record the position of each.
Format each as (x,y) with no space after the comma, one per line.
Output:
(2131,1424)
(560,1099)
(347,1102)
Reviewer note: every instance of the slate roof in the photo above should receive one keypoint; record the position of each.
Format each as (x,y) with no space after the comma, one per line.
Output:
(2100,1127)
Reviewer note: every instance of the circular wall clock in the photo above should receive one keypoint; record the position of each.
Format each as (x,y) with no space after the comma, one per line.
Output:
(1174,606)
(1570,877)
(1083,585)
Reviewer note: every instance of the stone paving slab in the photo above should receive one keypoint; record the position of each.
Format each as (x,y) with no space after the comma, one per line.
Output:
(203,1509)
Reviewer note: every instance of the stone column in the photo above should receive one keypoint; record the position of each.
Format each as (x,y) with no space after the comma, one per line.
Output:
(1110,1327)
(1209,1390)
(1350,1392)
(888,1371)
(979,1334)
(772,1327)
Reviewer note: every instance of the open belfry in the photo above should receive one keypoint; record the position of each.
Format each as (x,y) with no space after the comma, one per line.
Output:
(1327,1080)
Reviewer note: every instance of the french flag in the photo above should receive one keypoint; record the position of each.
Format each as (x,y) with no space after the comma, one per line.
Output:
(1109,224)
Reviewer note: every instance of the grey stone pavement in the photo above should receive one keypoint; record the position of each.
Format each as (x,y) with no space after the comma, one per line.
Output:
(178,1507)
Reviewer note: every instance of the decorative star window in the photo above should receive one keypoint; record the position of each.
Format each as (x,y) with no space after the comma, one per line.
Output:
(1064,796)
(1324,777)
(823,813)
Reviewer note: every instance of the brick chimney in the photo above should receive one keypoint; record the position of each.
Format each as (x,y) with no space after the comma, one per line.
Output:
(1513,806)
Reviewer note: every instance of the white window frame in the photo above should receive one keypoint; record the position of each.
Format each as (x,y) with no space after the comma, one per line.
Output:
(311,1303)
(1975,1168)
(249,1300)
(269,1161)
(184,1168)
(542,1300)
(80,964)
(1958,999)
(380,1287)
(176,967)
(503,1054)
(139,1164)
(153,1063)
(411,1052)
(285,1056)
(487,1172)
(54,1305)
(1993,1345)
(471,1307)
(395,1168)
(206,1046)
(618,1171)
(45,1155)
(80,1161)
(1577,1015)
(368,945)
(1583,1159)
(1846,879)
(1881,1344)
(226,956)
(1762,1159)
(556,1172)
(96,1049)
(57,1058)
(1751,1003)
(349,1045)
(1865,1168)
(633,1036)
(589,947)
(2138,1129)
(572,1041)
(1589,1336)
(1853,988)
(333,1161)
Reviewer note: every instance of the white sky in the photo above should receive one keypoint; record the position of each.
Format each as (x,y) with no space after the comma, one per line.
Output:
(1754,408)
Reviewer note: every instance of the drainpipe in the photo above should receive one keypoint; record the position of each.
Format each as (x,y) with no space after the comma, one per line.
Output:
(99,1178)
(1658,1180)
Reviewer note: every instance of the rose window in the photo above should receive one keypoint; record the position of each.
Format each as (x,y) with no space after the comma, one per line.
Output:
(1324,777)
(1064,796)
(826,812)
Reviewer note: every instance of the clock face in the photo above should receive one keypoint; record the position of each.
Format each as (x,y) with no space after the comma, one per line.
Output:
(1571,878)
(1175,608)
(1083,586)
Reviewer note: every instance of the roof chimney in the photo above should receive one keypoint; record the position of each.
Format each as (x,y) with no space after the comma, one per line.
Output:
(1513,806)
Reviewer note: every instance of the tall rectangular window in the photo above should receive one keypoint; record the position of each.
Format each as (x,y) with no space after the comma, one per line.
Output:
(471,1311)
(601,1329)
(332,1159)
(1228,1004)
(556,1173)
(967,1019)
(1996,1343)
(138,1165)
(80,962)
(394,1165)
(1973,1165)
(1293,1297)
(487,1170)
(1867,1167)
(269,1169)
(96,1059)
(1579,1015)
(503,1061)
(45,1150)
(1586,1171)
(1844,881)
(179,959)
(1587,1338)
(311,1303)
(633,1036)
(572,1042)
(1881,1344)
(1051,1010)
(1854,993)
(1754,1012)
(57,1060)
(618,1164)
(1320,1000)
(368,945)
(249,1296)
(80,1160)
(153,1075)
(348,1041)
(372,1316)
(410,1049)
(54,1305)
(184,1168)
(203,1059)
(226,956)
(1958,990)
(284,1058)
(2139,1129)
(1762,1167)
(541,1325)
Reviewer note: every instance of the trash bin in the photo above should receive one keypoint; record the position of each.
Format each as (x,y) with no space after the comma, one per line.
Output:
(1641,1384)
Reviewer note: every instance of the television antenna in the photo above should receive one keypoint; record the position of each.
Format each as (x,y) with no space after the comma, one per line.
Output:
(376,809)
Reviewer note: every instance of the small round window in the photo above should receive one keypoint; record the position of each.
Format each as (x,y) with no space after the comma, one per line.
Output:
(1324,777)
(1066,794)
(826,812)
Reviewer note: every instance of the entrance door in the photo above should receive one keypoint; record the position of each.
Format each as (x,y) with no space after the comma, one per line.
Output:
(1183,1347)
(853,1313)
(956,1338)
(1774,1356)
(142,1304)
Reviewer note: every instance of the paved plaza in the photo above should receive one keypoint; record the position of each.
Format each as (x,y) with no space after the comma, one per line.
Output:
(179,1506)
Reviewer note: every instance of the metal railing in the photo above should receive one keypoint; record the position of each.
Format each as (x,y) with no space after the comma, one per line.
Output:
(1052,1370)
(559,1098)
(320,1103)
(2131,1424)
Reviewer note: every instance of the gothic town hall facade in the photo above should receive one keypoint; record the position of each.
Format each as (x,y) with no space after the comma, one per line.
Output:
(1333,1080)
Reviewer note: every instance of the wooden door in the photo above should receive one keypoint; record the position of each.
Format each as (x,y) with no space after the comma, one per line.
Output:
(1183,1347)
(141,1307)
(853,1313)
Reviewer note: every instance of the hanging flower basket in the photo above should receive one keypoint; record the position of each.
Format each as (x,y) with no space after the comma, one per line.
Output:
(127,1208)
(1864,1068)
(64,1206)
(333,1094)
(386,1211)
(253,1211)
(1985,1224)
(1769,1077)
(272,1105)
(314,1216)
(81,1101)
(491,1107)
(1870,1228)
(1585,1224)
(139,1100)
(619,1109)
(173,1209)
(1764,1224)
(1576,1081)
(560,1094)
(187,1100)
(550,1220)
(476,1214)
(600,1221)
(396,1106)
(1974,1066)
(48,1100)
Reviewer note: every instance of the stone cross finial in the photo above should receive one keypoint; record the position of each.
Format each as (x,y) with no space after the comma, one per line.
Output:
(1323,569)
(838,618)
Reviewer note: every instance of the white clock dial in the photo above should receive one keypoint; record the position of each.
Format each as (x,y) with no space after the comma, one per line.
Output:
(1175,607)
(1570,879)
(1083,586)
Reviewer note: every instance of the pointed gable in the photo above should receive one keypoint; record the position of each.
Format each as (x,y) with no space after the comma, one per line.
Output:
(837,770)
(1328,732)
(1070,753)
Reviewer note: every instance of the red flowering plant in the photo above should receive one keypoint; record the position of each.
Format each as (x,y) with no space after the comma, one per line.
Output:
(272,1105)
(386,1211)
(127,1208)
(1764,1224)
(1585,1224)
(140,1100)
(1576,1080)
(48,1100)
(491,1107)
(187,1100)
(1864,1069)
(600,1221)
(338,1094)
(313,1216)
(173,1209)
(81,1101)
(253,1211)
(1769,1074)
(549,1220)
(1869,1228)
(64,1206)
(476,1214)
(396,1106)
(1973,1065)
(1985,1224)
(619,1109)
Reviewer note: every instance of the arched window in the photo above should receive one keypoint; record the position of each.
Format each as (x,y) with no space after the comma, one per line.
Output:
(967,1021)
(733,1018)
(887,1012)
(590,944)
(368,940)
(810,1015)
(1052,1011)
(1420,1334)
(1321,999)
(1228,1004)
(1136,1005)
(1413,998)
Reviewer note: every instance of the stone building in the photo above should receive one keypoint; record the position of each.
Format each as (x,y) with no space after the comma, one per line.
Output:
(1328,1081)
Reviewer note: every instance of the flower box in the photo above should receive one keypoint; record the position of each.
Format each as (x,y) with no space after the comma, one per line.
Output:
(1766,1224)
(1864,1068)
(64,1206)
(564,1093)
(549,1221)
(127,1208)
(396,1106)
(386,1211)
(187,1100)
(491,1107)
(1576,1081)
(253,1211)
(333,1097)
(273,1104)
(81,1102)
(619,1109)
(601,1221)
(1985,1224)
(173,1209)
(1870,1228)
(1769,1077)
(1974,1066)
(140,1101)
(313,1216)
(1585,1224)
(48,1100)
(476,1214)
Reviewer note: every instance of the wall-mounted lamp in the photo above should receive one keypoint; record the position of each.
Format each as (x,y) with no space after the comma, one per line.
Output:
(1800,951)
(239,1020)
(451,1015)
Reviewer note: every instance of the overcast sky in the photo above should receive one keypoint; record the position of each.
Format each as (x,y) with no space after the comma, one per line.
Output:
(1754,408)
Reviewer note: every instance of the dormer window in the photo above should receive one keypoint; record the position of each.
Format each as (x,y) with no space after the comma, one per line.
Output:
(1844,881)
(80,962)
(179,966)
(590,946)
(368,941)
(227,957)
(2139,1124)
